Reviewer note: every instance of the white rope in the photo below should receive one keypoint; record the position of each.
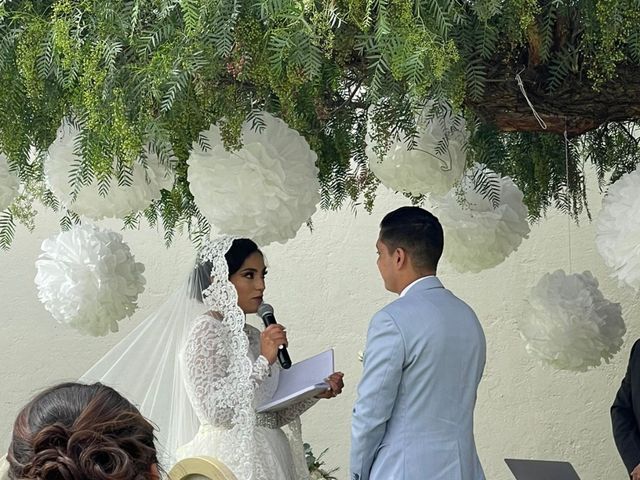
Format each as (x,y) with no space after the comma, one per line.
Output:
(526,97)
(566,170)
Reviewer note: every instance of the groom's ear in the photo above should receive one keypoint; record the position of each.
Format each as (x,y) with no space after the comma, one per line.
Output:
(400,257)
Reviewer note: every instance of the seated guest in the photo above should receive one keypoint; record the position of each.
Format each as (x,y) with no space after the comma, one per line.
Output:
(74,431)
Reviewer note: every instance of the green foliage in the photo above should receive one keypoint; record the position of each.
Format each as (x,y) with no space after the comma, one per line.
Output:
(316,464)
(548,174)
(136,73)
(613,149)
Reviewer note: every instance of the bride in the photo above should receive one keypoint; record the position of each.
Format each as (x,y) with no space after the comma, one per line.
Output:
(198,371)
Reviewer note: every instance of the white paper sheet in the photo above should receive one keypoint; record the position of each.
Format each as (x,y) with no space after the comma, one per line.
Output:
(303,380)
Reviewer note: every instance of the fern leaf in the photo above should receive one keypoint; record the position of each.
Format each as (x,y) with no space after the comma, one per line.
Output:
(7,229)
(476,77)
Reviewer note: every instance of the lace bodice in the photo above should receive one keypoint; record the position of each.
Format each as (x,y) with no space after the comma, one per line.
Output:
(206,360)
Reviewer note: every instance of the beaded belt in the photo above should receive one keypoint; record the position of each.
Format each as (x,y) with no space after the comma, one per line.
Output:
(267,420)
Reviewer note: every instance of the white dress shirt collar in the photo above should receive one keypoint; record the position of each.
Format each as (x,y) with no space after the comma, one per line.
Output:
(408,287)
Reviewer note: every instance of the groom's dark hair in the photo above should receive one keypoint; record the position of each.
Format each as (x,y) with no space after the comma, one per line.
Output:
(418,232)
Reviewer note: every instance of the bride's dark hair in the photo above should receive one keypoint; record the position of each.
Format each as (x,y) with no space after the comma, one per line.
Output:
(240,250)
(80,432)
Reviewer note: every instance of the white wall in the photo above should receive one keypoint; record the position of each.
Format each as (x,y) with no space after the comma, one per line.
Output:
(325,286)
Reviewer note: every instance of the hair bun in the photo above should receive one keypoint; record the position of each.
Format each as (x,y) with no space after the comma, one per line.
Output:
(100,457)
(50,460)
(81,432)
(51,437)
(63,455)
(53,464)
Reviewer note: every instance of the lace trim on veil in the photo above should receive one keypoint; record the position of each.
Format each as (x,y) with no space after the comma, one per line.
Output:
(237,392)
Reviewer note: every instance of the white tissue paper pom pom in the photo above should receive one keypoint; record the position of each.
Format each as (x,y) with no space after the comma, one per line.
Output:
(265,191)
(426,168)
(482,232)
(570,325)
(8,184)
(87,278)
(120,200)
(618,229)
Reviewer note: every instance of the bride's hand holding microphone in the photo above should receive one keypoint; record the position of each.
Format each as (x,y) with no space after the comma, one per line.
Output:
(271,336)
(273,345)
(271,339)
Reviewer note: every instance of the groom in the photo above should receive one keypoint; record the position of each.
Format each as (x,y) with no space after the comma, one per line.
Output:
(424,358)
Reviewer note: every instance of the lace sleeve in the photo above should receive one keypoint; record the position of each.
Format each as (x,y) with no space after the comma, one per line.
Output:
(286,416)
(294,411)
(206,364)
(261,370)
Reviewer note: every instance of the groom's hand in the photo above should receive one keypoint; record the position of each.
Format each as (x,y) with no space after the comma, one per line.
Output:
(335,386)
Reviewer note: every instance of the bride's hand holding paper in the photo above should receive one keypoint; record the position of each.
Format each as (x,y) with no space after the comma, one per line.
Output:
(314,377)
(336,384)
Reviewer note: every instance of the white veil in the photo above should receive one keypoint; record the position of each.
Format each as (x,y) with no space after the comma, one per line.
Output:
(145,366)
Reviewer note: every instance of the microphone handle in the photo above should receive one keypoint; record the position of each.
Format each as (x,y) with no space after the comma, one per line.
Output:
(283,355)
(284,358)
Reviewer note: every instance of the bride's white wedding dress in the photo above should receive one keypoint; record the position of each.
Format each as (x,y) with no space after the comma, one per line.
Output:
(205,360)
(200,377)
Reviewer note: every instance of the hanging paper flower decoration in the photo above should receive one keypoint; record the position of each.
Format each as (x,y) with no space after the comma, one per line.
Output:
(8,184)
(570,324)
(435,163)
(484,220)
(266,190)
(120,200)
(618,229)
(88,279)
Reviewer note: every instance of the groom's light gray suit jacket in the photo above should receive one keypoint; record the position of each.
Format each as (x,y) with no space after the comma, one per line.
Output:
(413,419)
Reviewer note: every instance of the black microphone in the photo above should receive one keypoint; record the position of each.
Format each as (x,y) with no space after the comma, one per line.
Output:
(265,312)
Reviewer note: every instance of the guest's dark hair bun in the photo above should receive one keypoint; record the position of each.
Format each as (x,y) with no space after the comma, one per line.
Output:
(59,455)
(50,458)
(106,440)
